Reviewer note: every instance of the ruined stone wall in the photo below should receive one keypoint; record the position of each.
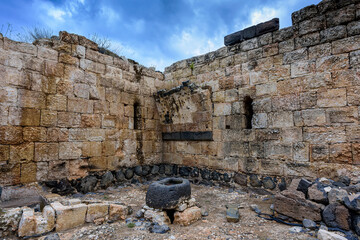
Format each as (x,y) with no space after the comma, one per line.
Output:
(285,103)
(67,110)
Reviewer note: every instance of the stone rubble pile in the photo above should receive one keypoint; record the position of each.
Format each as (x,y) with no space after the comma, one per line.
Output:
(337,204)
(59,216)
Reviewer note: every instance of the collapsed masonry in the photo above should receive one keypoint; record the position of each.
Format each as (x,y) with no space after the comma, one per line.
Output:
(280,104)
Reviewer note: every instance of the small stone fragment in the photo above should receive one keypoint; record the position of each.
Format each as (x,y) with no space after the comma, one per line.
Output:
(232,214)
(159,228)
(310,224)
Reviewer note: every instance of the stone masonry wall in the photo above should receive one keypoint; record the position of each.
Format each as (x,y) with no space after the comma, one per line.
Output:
(67,110)
(299,87)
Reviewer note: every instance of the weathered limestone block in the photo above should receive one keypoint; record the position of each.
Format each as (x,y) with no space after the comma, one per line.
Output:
(281,119)
(346,45)
(69,216)
(32,223)
(34,134)
(46,152)
(312,25)
(22,153)
(313,117)
(188,216)
(295,56)
(28,172)
(333,63)
(91,149)
(332,98)
(47,53)
(157,216)
(341,153)
(321,135)
(48,118)
(9,220)
(340,16)
(69,150)
(31,99)
(11,135)
(96,210)
(56,102)
(331,34)
(80,105)
(90,120)
(117,212)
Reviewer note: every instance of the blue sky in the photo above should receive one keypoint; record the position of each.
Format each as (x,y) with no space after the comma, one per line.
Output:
(153,32)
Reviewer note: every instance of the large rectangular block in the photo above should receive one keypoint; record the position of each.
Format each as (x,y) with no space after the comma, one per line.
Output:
(346,45)
(56,102)
(45,152)
(69,216)
(31,99)
(11,135)
(80,105)
(281,119)
(22,153)
(34,134)
(321,135)
(340,153)
(69,150)
(313,117)
(312,25)
(332,98)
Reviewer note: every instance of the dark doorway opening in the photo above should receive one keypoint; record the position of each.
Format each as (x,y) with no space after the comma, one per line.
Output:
(249,112)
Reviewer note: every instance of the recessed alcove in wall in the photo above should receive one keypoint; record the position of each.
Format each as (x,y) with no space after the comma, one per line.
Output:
(248,111)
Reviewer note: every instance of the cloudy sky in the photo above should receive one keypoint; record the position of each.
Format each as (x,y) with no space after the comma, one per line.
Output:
(153,32)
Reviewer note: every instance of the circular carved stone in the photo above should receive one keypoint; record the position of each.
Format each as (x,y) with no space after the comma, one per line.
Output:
(168,193)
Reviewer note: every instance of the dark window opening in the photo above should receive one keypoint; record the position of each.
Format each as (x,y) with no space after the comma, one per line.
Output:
(249,112)
(137,116)
(170,213)
(227,127)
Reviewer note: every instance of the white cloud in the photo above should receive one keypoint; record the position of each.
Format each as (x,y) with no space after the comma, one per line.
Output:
(192,42)
(263,14)
(56,13)
(109,14)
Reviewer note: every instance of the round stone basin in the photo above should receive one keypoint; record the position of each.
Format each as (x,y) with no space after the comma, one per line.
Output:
(168,193)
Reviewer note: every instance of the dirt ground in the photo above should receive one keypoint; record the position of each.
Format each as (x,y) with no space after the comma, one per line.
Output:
(213,226)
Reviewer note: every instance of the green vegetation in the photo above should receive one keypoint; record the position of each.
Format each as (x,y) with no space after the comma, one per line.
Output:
(131,225)
(192,66)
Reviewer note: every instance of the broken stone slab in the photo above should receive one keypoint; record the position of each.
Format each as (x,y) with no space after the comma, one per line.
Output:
(293,204)
(326,235)
(337,216)
(187,217)
(69,216)
(19,192)
(232,214)
(251,32)
(34,223)
(118,212)
(96,210)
